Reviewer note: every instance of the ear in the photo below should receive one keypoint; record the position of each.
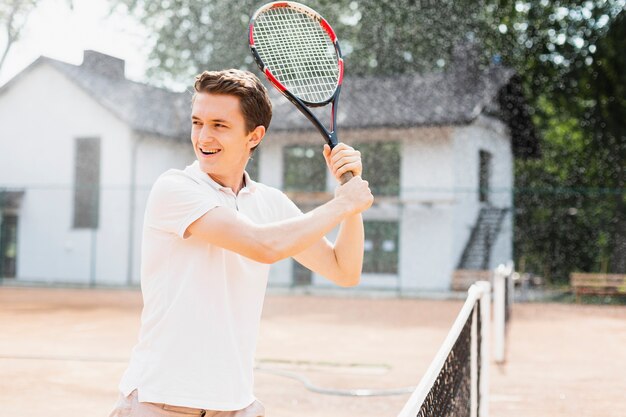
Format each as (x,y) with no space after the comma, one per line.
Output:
(256,136)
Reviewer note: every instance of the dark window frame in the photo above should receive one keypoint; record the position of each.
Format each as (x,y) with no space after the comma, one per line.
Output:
(9,232)
(485,165)
(378,260)
(382,158)
(304,168)
(87,172)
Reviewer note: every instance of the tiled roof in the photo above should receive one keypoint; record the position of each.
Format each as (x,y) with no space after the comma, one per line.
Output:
(404,101)
(145,108)
(445,98)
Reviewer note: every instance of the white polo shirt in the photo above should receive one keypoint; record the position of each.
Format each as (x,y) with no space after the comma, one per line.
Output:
(202,303)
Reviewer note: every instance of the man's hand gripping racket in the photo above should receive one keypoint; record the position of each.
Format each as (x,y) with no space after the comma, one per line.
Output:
(298,52)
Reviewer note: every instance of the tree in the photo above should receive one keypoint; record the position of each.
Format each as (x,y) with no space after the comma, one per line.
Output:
(191,36)
(581,224)
(13,18)
(383,37)
(568,54)
(606,123)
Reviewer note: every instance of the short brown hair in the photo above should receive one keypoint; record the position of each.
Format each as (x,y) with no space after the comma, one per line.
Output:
(254,100)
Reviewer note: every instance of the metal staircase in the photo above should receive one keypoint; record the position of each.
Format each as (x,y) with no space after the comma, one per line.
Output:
(484,234)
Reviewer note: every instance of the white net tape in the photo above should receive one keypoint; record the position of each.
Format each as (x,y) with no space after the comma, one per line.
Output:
(298,52)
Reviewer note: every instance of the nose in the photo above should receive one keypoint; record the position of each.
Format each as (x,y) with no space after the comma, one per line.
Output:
(205,135)
(205,132)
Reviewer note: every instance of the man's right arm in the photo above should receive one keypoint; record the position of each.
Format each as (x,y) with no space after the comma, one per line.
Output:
(269,243)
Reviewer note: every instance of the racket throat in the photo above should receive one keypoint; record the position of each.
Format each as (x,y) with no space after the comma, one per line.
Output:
(332,136)
(332,139)
(329,137)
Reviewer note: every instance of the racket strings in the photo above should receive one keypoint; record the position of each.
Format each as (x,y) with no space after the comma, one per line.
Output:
(288,51)
(298,52)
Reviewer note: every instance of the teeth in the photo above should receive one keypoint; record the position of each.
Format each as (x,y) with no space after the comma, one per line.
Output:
(209,151)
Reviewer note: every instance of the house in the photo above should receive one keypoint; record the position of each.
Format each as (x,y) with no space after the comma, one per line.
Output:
(80,147)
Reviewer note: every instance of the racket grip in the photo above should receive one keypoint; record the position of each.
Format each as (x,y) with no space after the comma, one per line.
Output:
(345,177)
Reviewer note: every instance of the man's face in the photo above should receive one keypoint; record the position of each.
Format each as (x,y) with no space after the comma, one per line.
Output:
(219,135)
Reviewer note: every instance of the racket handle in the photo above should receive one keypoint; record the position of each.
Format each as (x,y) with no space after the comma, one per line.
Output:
(346,176)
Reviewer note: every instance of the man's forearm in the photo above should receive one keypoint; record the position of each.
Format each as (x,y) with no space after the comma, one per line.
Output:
(290,237)
(272,242)
(348,249)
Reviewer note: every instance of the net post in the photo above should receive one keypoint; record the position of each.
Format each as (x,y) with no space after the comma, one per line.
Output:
(510,287)
(414,404)
(499,312)
(484,354)
(474,364)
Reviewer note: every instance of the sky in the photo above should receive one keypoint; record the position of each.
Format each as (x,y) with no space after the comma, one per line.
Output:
(55,31)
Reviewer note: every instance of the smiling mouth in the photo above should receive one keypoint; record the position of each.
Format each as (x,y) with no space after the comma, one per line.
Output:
(209,151)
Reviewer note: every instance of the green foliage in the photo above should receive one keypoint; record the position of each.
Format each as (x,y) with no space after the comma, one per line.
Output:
(383,36)
(191,36)
(581,224)
(569,54)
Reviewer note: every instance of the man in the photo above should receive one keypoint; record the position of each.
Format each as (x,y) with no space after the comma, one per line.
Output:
(210,233)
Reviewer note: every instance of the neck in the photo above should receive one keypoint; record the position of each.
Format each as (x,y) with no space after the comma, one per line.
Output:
(234,182)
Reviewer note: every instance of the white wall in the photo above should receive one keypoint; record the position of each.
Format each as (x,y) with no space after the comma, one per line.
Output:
(41,115)
(271,161)
(427,182)
(426,247)
(503,246)
(152,157)
(427,174)
(492,136)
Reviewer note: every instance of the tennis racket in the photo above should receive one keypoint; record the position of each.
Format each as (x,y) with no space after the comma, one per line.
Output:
(298,52)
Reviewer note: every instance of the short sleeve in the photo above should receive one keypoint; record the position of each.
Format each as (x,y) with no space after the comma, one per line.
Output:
(176,201)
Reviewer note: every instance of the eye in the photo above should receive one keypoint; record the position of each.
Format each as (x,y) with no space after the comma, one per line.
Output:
(195,122)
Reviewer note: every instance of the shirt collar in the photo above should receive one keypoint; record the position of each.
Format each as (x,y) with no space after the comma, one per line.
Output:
(194,169)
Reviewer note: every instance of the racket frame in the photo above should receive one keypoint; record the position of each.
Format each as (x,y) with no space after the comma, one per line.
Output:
(330,135)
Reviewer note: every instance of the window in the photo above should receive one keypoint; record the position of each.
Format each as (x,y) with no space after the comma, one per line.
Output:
(87,183)
(8,245)
(381,167)
(304,169)
(483,176)
(301,275)
(381,247)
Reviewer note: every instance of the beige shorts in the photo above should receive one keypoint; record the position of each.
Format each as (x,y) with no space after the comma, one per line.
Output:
(130,407)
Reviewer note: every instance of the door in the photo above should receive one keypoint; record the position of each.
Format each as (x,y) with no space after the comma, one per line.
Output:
(8,246)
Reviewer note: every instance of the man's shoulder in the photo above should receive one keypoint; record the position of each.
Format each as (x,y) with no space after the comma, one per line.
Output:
(176,176)
(175,182)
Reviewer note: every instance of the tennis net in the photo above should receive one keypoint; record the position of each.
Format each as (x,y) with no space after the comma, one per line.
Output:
(456,383)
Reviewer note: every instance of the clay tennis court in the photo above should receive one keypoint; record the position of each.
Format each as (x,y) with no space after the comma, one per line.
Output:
(63,351)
